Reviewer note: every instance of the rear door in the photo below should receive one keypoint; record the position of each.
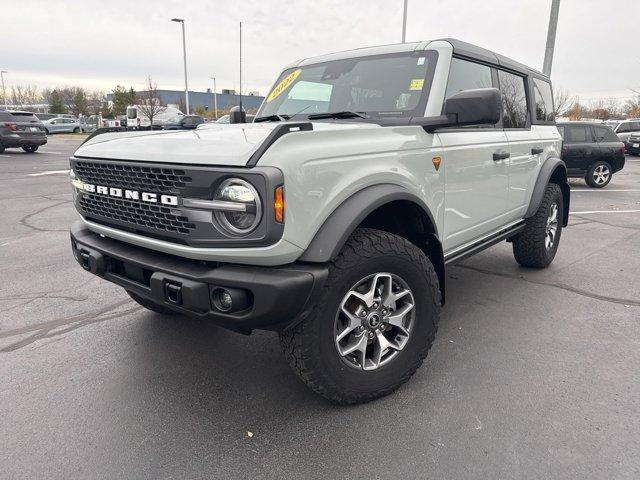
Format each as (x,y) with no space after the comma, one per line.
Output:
(476,163)
(523,142)
(579,149)
(611,150)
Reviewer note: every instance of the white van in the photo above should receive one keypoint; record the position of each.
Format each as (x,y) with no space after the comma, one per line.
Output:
(136,117)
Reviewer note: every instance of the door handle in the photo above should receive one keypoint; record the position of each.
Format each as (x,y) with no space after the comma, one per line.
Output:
(536,151)
(497,156)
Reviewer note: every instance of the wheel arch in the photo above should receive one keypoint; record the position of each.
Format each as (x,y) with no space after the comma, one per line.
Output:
(553,170)
(386,207)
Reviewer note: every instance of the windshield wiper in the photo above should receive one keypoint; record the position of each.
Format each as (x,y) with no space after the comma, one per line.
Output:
(343,114)
(272,118)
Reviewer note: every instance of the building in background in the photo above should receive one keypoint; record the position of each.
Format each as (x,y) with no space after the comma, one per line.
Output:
(226,100)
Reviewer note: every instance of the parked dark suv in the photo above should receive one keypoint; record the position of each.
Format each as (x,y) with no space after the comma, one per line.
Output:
(633,144)
(21,130)
(184,122)
(591,151)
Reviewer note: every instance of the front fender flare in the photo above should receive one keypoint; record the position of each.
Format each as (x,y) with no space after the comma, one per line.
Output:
(335,231)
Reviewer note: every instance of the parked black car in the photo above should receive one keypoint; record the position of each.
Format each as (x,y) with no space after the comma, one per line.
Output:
(21,130)
(633,144)
(591,151)
(184,122)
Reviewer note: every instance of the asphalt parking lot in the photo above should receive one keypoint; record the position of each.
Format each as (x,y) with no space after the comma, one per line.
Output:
(534,374)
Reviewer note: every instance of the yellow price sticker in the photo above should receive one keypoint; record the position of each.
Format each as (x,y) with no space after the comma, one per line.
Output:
(283,85)
(416,84)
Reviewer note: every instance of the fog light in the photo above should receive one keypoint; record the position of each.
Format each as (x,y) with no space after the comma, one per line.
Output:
(222,299)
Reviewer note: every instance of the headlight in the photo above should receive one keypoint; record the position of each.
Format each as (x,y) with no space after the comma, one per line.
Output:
(243,221)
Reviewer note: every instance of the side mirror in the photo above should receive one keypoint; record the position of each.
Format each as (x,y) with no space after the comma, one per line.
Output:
(480,106)
(237,116)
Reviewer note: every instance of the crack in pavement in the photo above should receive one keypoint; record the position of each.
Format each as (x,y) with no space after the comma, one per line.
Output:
(44,330)
(23,221)
(562,286)
(602,222)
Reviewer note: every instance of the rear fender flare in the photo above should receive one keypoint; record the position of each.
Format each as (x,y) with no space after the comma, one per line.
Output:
(553,167)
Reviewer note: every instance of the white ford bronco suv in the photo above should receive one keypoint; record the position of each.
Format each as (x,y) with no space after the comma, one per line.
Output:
(331,218)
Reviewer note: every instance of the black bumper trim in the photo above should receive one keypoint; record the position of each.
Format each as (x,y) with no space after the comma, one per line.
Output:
(279,296)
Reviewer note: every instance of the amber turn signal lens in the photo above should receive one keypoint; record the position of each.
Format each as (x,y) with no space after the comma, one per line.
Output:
(278,204)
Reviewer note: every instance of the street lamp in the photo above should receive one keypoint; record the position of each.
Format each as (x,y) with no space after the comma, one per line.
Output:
(215,96)
(184,54)
(4,92)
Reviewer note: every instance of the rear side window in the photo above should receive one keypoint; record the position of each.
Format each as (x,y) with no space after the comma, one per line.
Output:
(604,134)
(465,75)
(544,100)
(635,126)
(624,127)
(514,100)
(576,134)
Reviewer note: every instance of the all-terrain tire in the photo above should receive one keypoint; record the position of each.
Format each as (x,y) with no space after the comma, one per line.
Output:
(530,247)
(310,346)
(149,305)
(599,175)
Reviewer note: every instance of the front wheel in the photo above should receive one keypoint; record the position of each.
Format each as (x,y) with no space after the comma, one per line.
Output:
(599,175)
(537,244)
(373,324)
(30,149)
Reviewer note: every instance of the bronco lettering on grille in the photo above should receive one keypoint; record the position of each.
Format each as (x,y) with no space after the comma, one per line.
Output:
(131,194)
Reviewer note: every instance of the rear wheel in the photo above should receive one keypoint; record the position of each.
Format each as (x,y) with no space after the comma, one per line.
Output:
(599,175)
(76,130)
(149,305)
(537,244)
(373,324)
(30,149)
(46,130)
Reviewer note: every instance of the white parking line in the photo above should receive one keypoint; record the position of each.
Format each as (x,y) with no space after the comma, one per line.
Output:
(609,190)
(49,172)
(588,212)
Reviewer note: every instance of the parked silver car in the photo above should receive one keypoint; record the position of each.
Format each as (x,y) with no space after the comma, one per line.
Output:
(61,125)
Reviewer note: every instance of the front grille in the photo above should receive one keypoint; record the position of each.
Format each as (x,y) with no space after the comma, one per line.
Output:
(150,179)
(144,215)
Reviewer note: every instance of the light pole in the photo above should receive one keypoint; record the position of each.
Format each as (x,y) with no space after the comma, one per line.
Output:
(4,92)
(404,21)
(184,55)
(215,96)
(551,37)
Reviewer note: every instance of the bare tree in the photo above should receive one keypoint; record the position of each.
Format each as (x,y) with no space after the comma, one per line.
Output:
(149,102)
(632,107)
(562,101)
(95,102)
(613,106)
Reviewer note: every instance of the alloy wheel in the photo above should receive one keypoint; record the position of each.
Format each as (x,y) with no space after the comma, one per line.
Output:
(601,174)
(374,321)
(552,226)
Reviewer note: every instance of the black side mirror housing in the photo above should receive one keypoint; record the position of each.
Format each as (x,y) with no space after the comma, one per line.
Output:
(479,106)
(237,116)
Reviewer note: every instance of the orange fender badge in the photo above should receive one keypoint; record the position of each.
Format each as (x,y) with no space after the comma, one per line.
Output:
(436,162)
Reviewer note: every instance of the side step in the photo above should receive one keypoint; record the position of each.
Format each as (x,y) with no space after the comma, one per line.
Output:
(478,246)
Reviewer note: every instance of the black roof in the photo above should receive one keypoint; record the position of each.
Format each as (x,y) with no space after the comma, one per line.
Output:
(469,50)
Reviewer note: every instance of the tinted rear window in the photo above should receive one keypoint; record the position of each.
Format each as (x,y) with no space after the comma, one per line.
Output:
(605,134)
(544,100)
(24,117)
(576,134)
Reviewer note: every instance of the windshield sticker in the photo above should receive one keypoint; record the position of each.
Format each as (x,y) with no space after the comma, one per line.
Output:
(283,85)
(421,60)
(416,84)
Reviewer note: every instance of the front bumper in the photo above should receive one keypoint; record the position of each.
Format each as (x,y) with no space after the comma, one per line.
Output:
(12,141)
(274,298)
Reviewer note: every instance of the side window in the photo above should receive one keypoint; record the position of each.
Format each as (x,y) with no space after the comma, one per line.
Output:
(635,126)
(464,75)
(576,134)
(561,130)
(544,100)
(604,134)
(624,127)
(514,100)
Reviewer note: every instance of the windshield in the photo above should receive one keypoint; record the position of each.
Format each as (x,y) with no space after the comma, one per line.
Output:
(392,85)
